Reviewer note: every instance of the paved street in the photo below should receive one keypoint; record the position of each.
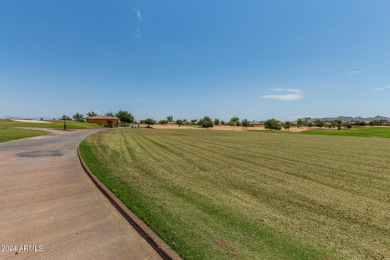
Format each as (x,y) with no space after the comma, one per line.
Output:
(50,209)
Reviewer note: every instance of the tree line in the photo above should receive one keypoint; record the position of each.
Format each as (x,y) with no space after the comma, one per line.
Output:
(127,118)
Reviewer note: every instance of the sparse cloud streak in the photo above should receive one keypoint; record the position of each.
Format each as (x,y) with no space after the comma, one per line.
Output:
(137,33)
(138,14)
(284,94)
(356,71)
(138,30)
(383,88)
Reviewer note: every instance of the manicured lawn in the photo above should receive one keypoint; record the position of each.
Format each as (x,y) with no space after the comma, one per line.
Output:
(54,124)
(363,131)
(251,195)
(8,133)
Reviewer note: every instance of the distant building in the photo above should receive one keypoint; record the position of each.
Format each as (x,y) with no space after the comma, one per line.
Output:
(107,121)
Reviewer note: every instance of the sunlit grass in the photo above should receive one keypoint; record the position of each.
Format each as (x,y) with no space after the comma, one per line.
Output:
(8,133)
(251,195)
(362,131)
(54,124)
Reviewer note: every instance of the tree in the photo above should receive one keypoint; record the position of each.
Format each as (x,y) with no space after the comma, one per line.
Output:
(245,123)
(231,123)
(376,122)
(194,121)
(91,114)
(163,122)
(149,121)
(78,117)
(236,120)
(272,124)
(216,121)
(319,123)
(206,122)
(179,122)
(200,121)
(348,125)
(300,122)
(287,125)
(109,114)
(170,118)
(124,117)
(338,124)
(223,122)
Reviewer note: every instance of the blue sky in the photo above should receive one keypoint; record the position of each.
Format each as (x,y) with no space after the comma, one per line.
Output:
(253,59)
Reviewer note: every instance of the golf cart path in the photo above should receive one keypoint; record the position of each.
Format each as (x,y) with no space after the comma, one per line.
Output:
(47,202)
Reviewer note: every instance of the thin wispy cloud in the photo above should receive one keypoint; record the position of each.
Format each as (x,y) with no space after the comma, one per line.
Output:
(284,94)
(137,33)
(356,71)
(138,14)
(383,88)
(139,18)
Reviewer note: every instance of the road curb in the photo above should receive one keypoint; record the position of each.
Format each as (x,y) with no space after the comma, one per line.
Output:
(144,230)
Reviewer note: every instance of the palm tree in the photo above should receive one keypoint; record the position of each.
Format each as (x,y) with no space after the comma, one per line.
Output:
(78,117)
(109,114)
(91,114)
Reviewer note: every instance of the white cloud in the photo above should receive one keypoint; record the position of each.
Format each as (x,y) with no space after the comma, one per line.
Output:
(287,95)
(138,14)
(383,88)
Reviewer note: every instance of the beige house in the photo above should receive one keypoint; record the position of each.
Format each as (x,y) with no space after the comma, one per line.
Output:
(107,121)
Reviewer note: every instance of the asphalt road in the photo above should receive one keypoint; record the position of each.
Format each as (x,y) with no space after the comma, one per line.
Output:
(50,209)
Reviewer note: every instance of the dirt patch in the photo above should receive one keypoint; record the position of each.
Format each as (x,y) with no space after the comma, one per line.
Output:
(229,248)
(300,129)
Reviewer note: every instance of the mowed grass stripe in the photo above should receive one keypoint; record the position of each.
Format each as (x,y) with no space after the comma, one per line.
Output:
(201,232)
(342,156)
(198,153)
(331,173)
(311,204)
(242,208)
(306,147)
(373,179)
(316,153)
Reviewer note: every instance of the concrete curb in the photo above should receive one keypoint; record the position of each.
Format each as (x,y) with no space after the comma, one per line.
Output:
(144,230)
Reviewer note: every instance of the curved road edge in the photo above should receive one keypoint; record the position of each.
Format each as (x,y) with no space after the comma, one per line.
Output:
(144,230)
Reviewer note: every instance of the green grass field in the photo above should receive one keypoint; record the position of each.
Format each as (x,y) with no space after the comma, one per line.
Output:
(55,124)
(249,195)
(362,131)
(9,133)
